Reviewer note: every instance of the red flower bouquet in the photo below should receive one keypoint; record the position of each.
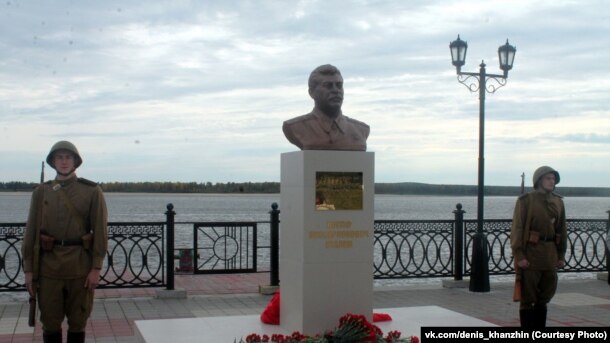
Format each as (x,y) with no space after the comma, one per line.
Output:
(352,328)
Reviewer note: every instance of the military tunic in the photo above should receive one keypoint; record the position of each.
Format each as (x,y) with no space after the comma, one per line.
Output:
(316,131)
(547,220)
(64,269)
(56,219)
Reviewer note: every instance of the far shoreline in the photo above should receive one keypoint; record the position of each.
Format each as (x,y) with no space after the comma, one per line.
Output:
(397,188)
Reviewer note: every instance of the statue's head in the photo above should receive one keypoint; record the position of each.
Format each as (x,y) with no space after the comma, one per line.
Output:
(326,69)
(326,89)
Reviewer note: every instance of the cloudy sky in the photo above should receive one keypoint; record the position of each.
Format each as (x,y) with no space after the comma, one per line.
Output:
(198,90)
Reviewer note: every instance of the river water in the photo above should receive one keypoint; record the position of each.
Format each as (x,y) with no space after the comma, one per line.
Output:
(255,207)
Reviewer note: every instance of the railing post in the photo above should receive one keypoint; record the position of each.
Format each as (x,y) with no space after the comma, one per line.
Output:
(458,243)
(275,244)
(608,246)
(170,246)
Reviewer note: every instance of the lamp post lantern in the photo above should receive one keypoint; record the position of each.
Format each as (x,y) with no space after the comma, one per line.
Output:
(479,275)
(506,55)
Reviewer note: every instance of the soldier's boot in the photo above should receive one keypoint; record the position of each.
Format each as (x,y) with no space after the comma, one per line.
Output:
(51,337)
(76,337)
(540,316)
(526,317)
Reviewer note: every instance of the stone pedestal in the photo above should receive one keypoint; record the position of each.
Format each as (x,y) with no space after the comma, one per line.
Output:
(326,250)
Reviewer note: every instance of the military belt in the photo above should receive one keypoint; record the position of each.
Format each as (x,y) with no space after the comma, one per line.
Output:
(68,242)
(547,238)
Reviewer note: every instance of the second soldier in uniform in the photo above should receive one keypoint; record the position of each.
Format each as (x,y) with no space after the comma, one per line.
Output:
(539,242)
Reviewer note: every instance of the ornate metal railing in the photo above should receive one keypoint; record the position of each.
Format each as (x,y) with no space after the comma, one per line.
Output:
(586,245)
(225,247)
(411,248)
(11,272)
(498,242)
(135,256)
(137,251)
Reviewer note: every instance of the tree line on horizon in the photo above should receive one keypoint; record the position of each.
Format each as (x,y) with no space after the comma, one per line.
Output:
(399,188)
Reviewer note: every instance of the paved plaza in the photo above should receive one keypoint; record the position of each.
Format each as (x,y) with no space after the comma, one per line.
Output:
(578,302)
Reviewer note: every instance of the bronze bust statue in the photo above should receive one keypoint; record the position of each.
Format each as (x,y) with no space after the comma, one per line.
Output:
(325,127)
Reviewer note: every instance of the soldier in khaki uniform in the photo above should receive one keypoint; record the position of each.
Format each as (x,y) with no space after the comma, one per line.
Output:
(539,242)
(326,128)
(71,216)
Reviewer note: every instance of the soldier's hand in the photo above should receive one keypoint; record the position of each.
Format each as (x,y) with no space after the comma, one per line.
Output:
(93,279)
(561,264)
(523,264)
(28,282)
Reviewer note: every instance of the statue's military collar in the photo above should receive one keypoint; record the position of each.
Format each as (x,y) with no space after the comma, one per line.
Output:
(327,123)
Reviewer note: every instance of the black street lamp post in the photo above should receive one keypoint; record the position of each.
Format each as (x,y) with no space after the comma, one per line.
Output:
(479,276)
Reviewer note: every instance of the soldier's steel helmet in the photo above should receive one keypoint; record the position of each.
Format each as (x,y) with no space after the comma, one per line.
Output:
(543,171)
(64,145)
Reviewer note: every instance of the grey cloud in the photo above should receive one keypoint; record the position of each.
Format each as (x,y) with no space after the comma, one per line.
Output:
(593,138)
(130,70)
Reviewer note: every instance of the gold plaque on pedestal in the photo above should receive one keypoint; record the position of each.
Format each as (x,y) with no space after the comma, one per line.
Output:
(339,191)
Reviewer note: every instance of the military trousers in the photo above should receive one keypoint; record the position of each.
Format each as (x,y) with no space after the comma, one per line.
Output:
(537,288)
(64,298)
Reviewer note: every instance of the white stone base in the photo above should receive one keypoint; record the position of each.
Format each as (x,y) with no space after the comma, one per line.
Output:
(407,320)
(326,256)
